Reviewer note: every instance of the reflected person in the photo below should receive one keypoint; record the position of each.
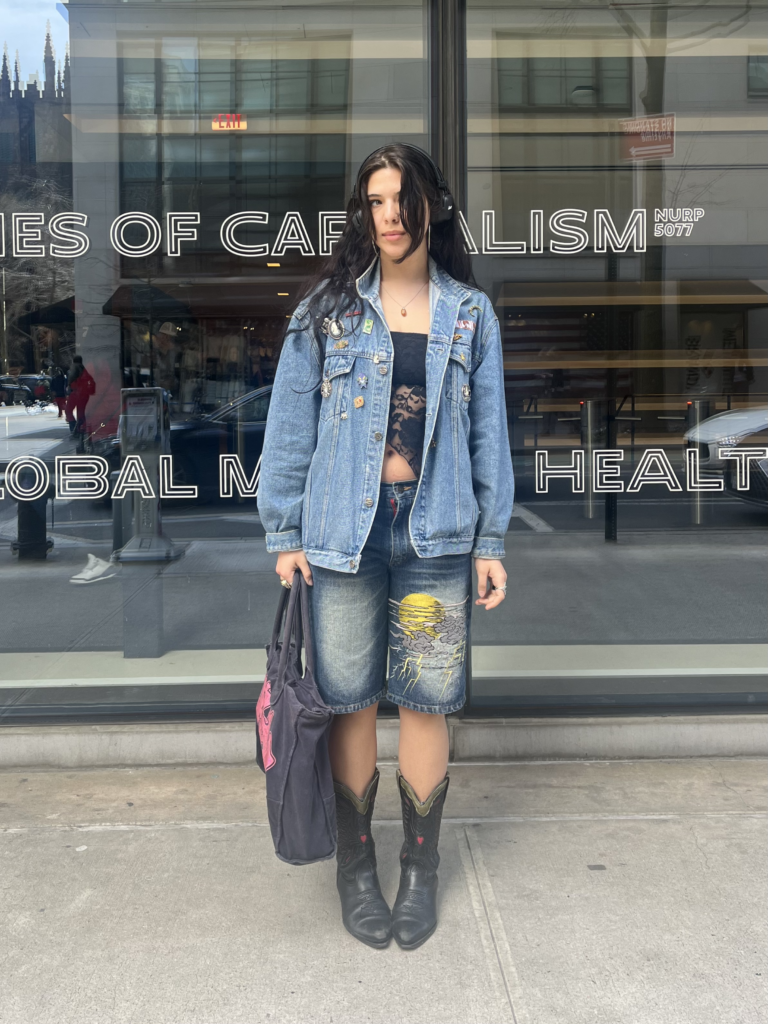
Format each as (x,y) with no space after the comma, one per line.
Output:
(386,471)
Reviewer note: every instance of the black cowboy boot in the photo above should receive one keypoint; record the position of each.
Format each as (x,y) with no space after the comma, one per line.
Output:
(414,915)
(363,909)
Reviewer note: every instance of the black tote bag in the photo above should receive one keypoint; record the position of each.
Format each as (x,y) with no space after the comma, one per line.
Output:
(292,729)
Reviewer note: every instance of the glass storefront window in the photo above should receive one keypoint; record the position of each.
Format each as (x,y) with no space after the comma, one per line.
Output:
(167,181)
(616,164)
(211,149)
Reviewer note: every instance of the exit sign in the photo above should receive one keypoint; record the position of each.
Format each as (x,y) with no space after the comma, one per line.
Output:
(229,123)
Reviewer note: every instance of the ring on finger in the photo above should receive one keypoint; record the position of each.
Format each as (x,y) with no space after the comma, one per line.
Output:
(285,583)
(502,588)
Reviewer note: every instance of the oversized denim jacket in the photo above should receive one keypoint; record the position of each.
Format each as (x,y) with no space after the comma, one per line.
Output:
(322,460)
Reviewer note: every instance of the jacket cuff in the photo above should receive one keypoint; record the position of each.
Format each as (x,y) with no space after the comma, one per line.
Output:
(488,547)
(289,540)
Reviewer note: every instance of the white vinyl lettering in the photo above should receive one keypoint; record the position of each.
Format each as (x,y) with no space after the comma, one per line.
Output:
(573,471)
(2,238)
(331,224)
(133,478)
(28,234)
(491,246)
(654,468)
(236,220)
(578,239)
(537,231)
(693,478)
(633,234)
(77,243)
(180,227)
(292,235)
(232,474)
(17,480)
(144,220)
(168,489)
(469,242)
(79,477)
(743,457)
(606,473)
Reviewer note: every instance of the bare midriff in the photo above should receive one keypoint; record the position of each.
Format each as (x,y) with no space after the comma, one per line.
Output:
(395,469)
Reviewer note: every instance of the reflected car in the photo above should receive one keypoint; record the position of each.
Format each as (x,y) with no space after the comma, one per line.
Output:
(729,430)
(235,429)
(196,444)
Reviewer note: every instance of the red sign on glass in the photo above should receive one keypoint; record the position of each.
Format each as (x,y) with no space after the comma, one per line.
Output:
(229,122)
(648,138)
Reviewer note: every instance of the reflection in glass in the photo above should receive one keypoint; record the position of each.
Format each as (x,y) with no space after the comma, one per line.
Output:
(658,347)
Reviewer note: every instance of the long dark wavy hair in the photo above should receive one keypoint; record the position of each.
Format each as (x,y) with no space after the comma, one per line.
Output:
(332,288)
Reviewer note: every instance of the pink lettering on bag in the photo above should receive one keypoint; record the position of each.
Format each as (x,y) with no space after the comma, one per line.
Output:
(264,724)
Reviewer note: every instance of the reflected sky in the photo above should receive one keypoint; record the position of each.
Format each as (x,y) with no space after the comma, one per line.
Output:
(22,28)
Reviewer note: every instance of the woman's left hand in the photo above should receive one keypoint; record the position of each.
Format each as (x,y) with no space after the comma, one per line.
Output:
(490,572)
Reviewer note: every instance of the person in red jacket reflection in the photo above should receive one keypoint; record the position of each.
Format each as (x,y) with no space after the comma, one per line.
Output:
(81,386)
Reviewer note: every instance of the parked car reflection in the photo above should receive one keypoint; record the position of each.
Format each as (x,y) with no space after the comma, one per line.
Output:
(728,430)
(235,429)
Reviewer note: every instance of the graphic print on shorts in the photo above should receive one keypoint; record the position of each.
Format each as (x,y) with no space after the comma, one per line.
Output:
(428,634)
(264,714)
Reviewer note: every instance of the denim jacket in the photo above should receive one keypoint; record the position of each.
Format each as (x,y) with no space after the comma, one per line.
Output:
(323,452)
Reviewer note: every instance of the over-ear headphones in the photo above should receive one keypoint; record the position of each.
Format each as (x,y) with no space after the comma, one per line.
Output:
(444,211)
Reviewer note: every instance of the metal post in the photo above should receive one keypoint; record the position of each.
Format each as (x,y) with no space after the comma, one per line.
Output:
(121,518)
(698,410)
(590,425)
(611,499)
(611,432)
(32,542)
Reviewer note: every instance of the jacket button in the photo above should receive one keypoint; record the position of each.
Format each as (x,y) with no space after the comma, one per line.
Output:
(351,563)
(382,369)
(369,502)
(377,436)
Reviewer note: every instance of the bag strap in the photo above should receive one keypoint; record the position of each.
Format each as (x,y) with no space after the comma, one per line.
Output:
(281,606)
(300,626)
(296,627)
(288,630)
(305,623)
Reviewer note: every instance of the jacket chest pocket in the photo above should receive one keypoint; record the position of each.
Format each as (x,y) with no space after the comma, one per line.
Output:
(334,386)
(457,386)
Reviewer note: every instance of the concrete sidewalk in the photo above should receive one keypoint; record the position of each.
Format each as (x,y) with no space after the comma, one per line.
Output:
(600,892)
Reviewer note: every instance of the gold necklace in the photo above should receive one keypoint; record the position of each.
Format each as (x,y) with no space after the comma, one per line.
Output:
(403,309)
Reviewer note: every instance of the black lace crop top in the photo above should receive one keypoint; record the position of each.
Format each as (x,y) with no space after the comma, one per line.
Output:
(408,404)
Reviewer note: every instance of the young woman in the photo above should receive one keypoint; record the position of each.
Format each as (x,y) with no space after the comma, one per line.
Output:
(386,471)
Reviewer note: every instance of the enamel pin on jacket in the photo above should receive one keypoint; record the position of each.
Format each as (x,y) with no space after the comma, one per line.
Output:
(321,467)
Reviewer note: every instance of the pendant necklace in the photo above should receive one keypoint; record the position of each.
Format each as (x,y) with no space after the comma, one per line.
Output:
(403,309)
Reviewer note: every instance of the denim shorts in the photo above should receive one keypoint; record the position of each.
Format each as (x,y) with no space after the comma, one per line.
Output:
(414,609)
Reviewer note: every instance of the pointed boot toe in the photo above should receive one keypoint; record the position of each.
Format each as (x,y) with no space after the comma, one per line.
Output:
(373,926)
(411,931)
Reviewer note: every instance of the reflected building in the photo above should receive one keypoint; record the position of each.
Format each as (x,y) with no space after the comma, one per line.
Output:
(630,284)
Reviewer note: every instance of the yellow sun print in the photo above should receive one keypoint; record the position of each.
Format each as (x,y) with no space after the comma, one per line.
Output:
(420,613)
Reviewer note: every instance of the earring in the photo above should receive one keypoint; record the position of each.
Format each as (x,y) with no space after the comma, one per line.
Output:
(429,237)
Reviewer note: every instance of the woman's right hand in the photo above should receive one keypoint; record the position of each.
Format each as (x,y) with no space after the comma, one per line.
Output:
(289,561)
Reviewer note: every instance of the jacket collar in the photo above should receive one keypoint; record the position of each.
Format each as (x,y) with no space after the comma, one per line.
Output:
(445,297)
(369,283)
